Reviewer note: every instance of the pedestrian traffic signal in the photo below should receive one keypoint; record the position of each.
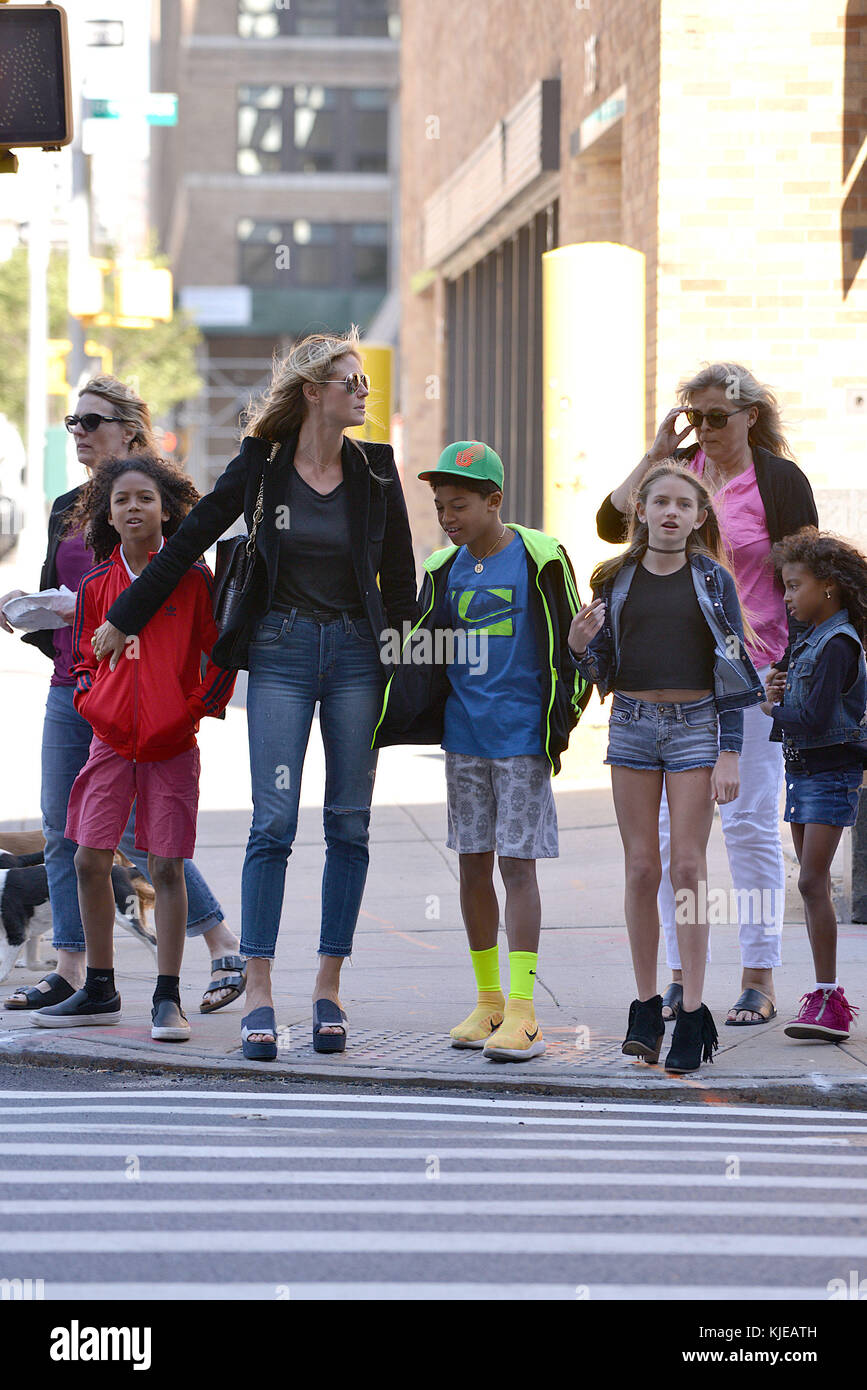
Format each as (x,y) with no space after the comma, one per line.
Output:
(35,98)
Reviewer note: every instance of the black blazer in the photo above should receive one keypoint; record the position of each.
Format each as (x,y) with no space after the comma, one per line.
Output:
(44,640)
(381,542)
(787,498)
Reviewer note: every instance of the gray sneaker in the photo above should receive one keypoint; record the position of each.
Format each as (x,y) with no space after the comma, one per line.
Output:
(169,1022)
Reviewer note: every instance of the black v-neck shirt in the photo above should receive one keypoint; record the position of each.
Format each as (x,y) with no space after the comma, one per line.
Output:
(315,569)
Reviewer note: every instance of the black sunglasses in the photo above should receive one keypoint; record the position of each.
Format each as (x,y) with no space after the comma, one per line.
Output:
(91,421)
(717,419)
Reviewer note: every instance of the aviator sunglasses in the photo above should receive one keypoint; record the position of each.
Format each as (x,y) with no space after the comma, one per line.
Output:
(717,419)
(91,421)
(353,383)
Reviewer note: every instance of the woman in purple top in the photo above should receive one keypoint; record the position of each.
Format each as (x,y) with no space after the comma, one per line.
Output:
(111,420)
(760,495)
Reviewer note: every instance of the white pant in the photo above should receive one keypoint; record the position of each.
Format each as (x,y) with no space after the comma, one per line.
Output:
(751,827)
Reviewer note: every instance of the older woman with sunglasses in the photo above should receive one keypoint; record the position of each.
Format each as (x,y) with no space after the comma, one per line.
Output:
(760,495)
(111,420)
(334,572)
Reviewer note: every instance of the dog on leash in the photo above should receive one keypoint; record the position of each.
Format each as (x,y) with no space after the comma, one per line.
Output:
(25,911)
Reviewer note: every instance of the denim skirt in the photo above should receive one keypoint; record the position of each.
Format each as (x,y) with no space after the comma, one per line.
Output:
(822,798)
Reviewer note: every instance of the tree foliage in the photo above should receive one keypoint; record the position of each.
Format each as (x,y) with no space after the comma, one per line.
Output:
(158,362)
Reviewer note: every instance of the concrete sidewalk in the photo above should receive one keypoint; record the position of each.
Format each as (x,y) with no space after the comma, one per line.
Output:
(410,978)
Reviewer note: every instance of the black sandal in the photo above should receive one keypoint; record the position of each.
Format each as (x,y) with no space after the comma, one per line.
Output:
(752,1001)
(236,982)
(59,990)
(673,999)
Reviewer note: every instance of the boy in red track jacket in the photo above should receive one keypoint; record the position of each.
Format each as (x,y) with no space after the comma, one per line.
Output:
(144,715)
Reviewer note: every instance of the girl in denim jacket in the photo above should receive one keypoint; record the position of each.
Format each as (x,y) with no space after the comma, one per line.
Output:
(665,633)
(821,724)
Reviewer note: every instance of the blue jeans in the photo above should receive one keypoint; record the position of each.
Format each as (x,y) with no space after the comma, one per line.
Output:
(66,738)
(295,661)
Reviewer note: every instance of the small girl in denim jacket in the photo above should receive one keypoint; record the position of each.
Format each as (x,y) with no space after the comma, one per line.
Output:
(821,723)
(666,634)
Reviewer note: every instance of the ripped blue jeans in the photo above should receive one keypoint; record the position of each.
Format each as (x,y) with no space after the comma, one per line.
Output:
(294,662)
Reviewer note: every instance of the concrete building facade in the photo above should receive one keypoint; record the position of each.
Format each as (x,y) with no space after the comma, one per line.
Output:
(275,196)
(725,144)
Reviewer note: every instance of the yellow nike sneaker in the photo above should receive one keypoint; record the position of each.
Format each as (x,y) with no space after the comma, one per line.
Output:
(478,1026)
(519,1037)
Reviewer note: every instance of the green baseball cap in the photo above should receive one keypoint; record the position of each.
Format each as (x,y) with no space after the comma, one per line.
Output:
(468,459)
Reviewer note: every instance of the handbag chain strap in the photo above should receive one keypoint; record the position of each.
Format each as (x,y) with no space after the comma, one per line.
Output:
(258,512)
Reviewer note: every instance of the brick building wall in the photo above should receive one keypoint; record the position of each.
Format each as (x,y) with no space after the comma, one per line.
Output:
(728,171)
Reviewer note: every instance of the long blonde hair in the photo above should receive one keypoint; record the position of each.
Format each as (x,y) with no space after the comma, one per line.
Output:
(130,407)
(706,540)
(740,385)
(278,413)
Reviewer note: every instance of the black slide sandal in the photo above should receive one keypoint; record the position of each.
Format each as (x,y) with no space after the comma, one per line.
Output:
(752,1001)
(36,998)
(673,999)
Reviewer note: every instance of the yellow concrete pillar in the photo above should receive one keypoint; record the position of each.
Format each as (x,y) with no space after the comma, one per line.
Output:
(377,361)
(594,368)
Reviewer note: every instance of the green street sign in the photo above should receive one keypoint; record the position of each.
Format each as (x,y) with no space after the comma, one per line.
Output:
(158,108)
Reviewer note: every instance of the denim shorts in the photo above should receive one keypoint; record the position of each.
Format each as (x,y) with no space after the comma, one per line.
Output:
(666,737)
(822,798)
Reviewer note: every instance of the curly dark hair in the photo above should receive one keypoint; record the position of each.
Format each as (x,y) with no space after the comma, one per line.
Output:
(92,508)
(829,557)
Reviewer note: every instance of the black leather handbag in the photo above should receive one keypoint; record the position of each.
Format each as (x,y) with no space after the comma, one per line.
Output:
(236,564)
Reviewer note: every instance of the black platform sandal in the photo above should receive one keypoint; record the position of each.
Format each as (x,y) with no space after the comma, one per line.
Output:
(645,1030)
(694,1040)
(673,999)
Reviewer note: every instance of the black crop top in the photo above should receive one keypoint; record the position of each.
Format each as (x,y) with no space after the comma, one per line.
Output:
(665,642)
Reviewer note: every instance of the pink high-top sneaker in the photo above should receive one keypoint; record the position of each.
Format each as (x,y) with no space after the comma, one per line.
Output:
(825,1013)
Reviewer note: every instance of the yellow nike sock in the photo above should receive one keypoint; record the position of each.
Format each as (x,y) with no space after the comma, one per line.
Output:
(486,967)
(522,974)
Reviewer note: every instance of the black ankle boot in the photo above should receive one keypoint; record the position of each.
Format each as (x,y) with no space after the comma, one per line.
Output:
(645,1029)
(694,1040)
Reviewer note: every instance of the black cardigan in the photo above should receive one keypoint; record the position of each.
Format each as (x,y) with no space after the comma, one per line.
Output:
(44,639)
(786,497)
(381,542)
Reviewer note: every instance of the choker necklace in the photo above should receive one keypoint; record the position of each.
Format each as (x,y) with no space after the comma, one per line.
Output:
(480,563)
(660,550)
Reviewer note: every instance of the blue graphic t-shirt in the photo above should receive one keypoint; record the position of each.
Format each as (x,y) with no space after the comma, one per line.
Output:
(494,709)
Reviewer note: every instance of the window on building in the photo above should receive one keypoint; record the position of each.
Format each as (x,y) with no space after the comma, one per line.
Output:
(310,129)
(268,19)
(369,139)
(301,254)
(369,254)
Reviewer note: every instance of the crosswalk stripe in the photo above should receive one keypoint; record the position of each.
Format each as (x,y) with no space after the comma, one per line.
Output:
(255,1097)
(437,1206)
(710,1122)
(282,1151)
(331,1292)
(739,1140)
(235,1242)
(229,1177)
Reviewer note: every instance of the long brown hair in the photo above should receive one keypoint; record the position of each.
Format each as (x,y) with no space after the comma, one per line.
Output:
(706,540)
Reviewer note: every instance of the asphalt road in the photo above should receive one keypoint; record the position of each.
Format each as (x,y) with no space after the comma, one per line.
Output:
(139,1188)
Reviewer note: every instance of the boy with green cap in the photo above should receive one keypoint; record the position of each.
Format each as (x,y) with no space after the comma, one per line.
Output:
(502,702)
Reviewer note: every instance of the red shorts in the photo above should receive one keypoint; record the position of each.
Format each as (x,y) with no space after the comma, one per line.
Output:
(166,796)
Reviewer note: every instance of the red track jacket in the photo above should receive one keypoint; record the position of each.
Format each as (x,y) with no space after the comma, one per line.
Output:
(149,707)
